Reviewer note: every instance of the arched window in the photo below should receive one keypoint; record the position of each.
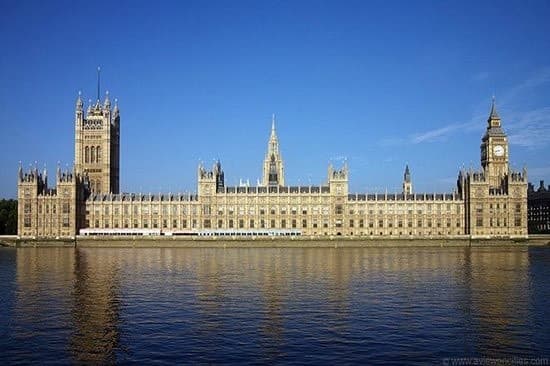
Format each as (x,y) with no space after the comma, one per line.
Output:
(98,186)
(92,160)
(92,185)
(86,154)
(98,154)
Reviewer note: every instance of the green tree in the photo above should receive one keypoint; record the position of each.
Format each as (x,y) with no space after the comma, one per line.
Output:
(8,217)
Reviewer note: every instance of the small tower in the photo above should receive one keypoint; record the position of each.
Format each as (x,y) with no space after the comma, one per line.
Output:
(210,181)
(273,172)
(72,191)
(30,186)
(407,184)
(338,180)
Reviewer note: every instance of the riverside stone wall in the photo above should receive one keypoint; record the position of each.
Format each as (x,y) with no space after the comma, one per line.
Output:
(275,242)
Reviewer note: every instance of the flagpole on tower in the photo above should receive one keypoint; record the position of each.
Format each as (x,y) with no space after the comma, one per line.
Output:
(98,80)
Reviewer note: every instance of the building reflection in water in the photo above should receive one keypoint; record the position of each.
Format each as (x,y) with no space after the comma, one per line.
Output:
(496,302)
(275,296)
(95,312)
(41,315)
(69,297)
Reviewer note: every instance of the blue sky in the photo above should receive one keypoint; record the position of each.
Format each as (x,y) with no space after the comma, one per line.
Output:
(381,84)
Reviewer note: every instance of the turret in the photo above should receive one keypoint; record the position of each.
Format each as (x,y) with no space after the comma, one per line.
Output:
(79,103)
(33,177)
(219,175)
(115,109)
(107,102)
(45,176)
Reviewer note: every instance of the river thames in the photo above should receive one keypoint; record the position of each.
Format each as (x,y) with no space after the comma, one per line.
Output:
(285,305)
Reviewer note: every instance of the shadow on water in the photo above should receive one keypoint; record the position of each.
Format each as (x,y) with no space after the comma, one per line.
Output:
(319,305)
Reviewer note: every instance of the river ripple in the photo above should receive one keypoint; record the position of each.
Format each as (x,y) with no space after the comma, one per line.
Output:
(258,305)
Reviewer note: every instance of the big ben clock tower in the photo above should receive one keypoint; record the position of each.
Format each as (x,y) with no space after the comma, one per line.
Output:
(494,150)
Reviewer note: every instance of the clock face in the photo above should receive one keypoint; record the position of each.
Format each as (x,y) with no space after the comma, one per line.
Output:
(498,150)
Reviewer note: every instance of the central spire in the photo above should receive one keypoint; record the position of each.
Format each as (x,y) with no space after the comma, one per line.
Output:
(273,172)
(273,133)
(273,136)
(273,147)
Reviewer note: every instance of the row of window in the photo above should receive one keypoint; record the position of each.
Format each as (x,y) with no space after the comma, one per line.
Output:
(539,210)
(65,208)
(496,222)
(51,223)
(262,223)
(207,223)
(207,210)
(479,207)
(95,185)
(92,154)
(339,209)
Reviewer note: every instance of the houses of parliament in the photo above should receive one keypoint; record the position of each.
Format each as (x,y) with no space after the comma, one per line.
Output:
(486,203)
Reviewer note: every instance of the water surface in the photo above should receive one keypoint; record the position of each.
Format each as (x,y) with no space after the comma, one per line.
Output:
(287,305)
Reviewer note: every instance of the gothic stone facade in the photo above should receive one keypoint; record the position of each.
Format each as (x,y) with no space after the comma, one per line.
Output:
(538,204)
(491,202)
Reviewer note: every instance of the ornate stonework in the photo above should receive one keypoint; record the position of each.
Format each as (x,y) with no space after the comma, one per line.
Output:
(97,144)
(491,202)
